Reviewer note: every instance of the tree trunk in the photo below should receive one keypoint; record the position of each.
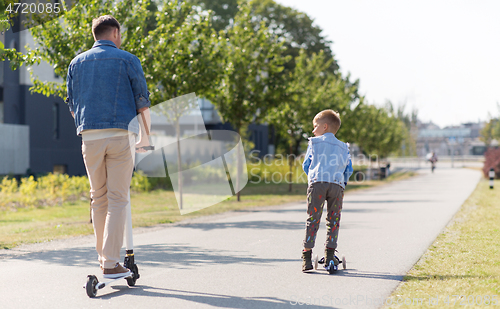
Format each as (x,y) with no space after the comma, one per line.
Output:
(179,162)
(297,145)
(290,163)
(379,170)
(239,169)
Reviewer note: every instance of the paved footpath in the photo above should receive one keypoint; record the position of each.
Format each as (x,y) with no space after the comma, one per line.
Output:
(251,259)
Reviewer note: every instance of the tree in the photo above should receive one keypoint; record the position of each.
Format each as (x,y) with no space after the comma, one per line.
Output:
(173,110)
(491,130)
(298,107)
(14,57)
(409,121)
(252,83)
(178,57)
(379,133)
(224,11)
(183,57)
(295,28)
(59,41)
(179,51)
(5,17)
(302,37)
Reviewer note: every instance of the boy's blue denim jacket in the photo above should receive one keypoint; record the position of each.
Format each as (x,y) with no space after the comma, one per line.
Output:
(106,87)
(327,160)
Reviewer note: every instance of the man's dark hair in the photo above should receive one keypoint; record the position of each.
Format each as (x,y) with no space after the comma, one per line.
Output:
(103,24)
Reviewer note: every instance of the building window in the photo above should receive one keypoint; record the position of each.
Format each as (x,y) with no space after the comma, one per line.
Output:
(60,169)
(55,117)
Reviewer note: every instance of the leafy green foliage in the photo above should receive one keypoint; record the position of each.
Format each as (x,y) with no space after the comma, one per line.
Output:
(182,55)
(59,41)
(4,16)
(297,31)
(311,89)
(294,28)
(409,132)
(179,56)
(491,130)
(224,11)
(140,182)
(270,63)
(379,133)
(16,58)
(251,83)
(290,118)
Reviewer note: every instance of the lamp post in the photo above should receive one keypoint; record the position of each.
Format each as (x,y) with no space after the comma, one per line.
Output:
(492,177)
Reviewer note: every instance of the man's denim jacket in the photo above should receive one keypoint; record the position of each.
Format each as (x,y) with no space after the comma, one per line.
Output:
(106,87)
(327,160)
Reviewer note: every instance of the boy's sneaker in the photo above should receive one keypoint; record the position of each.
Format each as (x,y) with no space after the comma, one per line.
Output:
(306,260)
(116,272)
(329,256)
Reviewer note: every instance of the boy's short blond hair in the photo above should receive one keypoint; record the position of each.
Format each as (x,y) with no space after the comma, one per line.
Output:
(330,117)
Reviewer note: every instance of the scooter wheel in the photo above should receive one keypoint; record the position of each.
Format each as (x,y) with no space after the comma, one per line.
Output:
(344,265)
(131,280)
(331,268)
(315,262)
(91,286)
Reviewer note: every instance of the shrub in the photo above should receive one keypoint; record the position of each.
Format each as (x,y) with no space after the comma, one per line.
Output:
(492,160)
(28,191)
(8,186)
(160,183)
(275,171)
(8,189)
(80,186)
(140,182)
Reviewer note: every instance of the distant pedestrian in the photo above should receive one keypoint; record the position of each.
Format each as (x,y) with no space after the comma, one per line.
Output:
(106,90)
(328,167)
(433,159)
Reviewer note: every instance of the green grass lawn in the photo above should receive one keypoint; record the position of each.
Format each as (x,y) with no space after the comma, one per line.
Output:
(32,225)
(462,267)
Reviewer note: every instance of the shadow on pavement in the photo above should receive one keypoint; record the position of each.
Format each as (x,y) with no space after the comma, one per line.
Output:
(389,201)
(262,225)
(178,256)
(354,274)
(279,211)
(364,210)
(215,300)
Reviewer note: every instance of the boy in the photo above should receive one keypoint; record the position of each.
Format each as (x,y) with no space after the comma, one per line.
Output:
(328,167)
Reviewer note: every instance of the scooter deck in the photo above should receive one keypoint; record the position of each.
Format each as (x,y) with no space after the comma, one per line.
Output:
(317,261)
(102,285)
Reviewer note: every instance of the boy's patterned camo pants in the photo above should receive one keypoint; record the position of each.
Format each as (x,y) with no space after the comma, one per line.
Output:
(317,193)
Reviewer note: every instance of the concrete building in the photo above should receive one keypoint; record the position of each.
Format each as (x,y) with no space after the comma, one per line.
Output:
(52,142)
(462,140)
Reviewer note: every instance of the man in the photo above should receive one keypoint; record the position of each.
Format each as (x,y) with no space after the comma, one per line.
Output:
(106,90)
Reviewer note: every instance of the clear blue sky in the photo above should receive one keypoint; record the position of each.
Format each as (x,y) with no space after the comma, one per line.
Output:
(441,57)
